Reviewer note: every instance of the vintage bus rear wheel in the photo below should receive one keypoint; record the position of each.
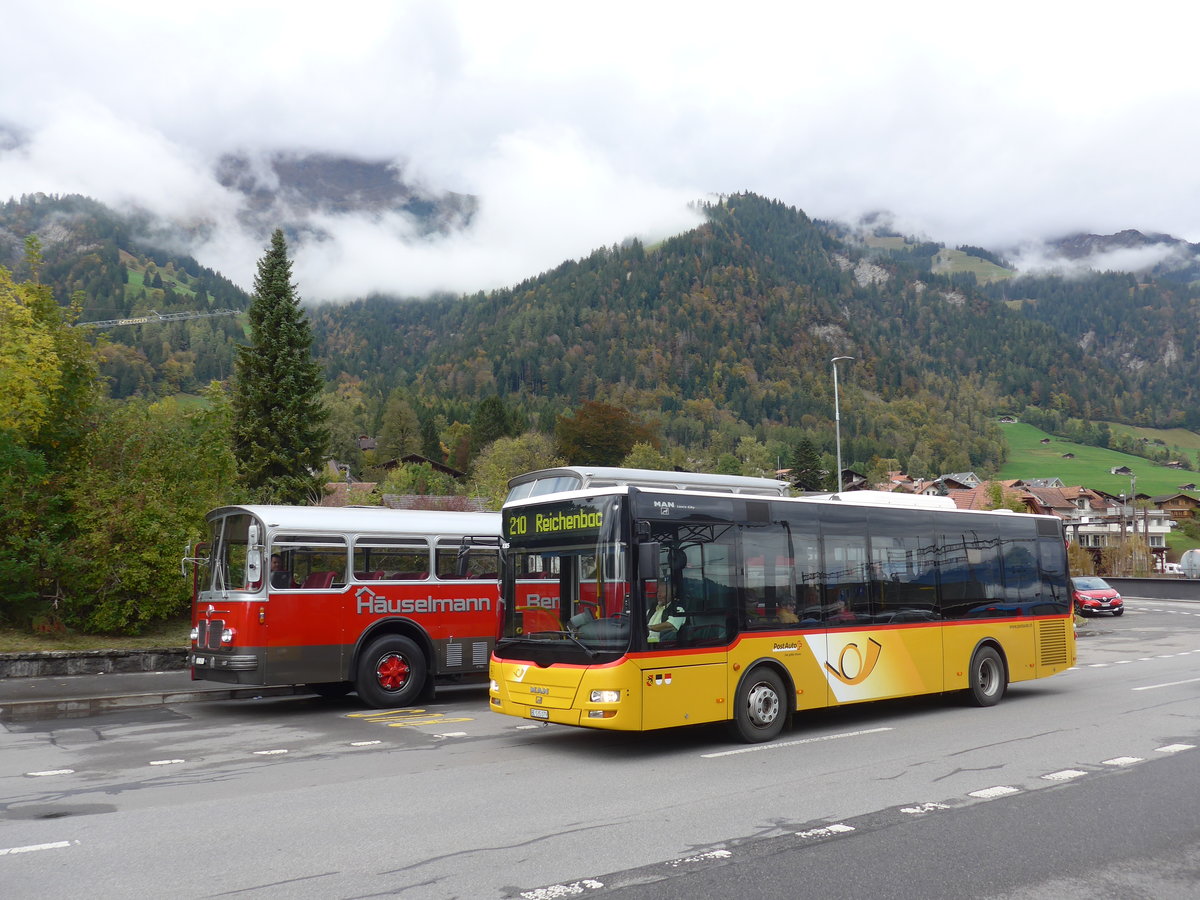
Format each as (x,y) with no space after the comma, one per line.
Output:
(760,709)
(987,676)
(391,672)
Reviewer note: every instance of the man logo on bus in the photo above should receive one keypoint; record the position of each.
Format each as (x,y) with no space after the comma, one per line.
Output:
(852,668)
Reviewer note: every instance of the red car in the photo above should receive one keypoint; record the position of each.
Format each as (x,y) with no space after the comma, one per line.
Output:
(1094,595)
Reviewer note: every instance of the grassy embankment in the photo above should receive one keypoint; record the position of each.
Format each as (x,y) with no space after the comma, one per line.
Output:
(1029,457)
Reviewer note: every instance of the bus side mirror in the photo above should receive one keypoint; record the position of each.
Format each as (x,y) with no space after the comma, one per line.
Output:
(253,566)
(648,560)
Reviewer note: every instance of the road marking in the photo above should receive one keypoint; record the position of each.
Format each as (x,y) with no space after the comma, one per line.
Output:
(1123,761)
(364,743)
(406,718)
(1175,748)
(165,762)
(923,808)
(1064,775)
(828,831)
(33,848)
(50,772)
(991,793)
(700,857)
(781,744)
(269,752)
(573,889)
(1151,687)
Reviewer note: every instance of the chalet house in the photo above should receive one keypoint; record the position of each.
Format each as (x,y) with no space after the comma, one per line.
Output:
(1008,420)
(1121,470)
(1179,507)
(1094,519)
(1190,486)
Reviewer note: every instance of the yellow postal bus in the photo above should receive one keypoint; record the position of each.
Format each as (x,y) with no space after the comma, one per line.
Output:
(635,608)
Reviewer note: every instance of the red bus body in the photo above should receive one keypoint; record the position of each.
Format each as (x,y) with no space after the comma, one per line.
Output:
(375,600)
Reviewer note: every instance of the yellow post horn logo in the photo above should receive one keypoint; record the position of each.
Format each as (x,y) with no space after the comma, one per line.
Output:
(859,668)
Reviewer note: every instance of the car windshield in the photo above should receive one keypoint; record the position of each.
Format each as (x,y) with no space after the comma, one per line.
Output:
(1090,583)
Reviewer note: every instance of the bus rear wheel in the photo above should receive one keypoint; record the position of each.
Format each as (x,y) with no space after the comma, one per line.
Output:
(987,677)
(391,672)
(760,709)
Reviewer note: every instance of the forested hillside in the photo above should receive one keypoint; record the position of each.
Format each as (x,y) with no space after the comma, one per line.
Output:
(728,330)
(103,262)
(716,335)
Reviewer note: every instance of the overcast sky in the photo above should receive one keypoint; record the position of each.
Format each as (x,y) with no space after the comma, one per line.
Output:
(579,124)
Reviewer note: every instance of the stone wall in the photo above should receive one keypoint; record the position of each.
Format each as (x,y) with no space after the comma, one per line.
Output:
(90,662)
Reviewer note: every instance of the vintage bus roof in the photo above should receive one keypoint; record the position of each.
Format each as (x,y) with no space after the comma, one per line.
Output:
(575,478)
(367,519)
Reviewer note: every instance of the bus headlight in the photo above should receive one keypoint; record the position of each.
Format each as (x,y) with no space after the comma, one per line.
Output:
(227,636)
(495,686)
(195,635)
(606,696)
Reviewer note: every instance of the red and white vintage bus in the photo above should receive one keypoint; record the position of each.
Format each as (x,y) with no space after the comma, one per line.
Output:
(367,599)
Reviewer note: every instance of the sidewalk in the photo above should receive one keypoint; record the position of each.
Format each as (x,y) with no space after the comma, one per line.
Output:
(77,696)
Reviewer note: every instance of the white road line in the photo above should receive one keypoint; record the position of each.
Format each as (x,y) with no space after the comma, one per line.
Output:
(574,889)
(826,832)
(1123,761)
(700,857)
(991,793)
(269,752)
(781,744)
(1175,748)
(364,743)
(1151,687)
(33,848)
(923,808)
(50,772)
(165,762)
(1064,775)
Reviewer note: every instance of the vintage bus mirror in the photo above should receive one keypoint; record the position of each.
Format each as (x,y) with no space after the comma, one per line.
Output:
(253,566)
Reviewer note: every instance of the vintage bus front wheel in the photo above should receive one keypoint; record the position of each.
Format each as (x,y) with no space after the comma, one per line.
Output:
(760,708)
(391,672)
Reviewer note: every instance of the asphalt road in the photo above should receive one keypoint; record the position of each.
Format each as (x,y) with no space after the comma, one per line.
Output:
(1082,785)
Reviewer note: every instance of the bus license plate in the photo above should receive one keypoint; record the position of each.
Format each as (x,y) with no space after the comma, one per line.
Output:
(198,661)
(539,713)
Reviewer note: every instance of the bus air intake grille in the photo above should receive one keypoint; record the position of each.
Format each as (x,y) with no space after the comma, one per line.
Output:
(454,655)
(480,654)
(1052,643)
(209,635)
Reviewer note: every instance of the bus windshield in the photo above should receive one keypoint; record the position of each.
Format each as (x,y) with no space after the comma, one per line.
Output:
(567,590)
(227,554)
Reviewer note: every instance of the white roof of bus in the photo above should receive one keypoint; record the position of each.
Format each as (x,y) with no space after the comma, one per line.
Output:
(372,519)
(608,476)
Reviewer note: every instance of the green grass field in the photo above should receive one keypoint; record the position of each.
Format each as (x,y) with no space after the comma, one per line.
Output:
(1028,457)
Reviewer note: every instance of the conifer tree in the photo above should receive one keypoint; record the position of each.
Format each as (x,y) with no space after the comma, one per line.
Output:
(806,474)
(280,428)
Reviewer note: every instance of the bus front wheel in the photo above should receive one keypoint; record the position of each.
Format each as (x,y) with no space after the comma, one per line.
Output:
(391,672)
(987,677)
(760,709)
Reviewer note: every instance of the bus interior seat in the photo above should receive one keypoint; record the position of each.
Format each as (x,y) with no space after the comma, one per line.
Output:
(318,580)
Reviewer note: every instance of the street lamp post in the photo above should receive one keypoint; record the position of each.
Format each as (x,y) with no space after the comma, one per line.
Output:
(837,418)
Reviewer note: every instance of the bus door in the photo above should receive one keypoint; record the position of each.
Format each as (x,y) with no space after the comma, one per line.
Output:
(685,679)
(307,609)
